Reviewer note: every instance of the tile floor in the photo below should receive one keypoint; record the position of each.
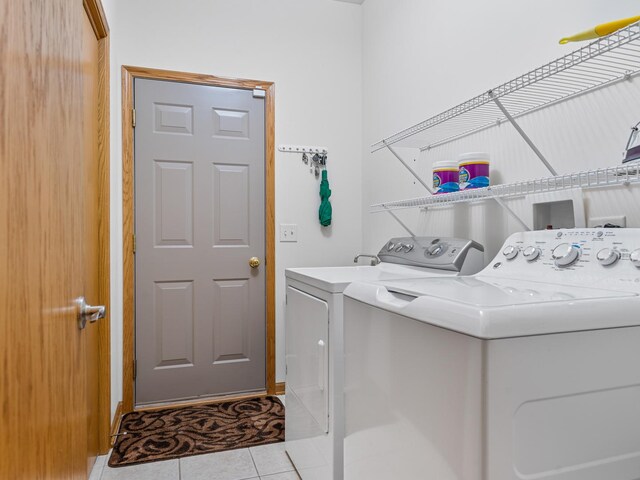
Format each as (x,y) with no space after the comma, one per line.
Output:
(267,462)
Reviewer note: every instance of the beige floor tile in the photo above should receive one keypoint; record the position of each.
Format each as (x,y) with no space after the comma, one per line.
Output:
(166,470)
(229,465)
(282,476)
(271,459)
(96,472)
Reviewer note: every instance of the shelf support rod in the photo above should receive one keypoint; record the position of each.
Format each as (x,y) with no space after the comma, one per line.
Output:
(512,213)
(400,222)
(522,133)
(406,165)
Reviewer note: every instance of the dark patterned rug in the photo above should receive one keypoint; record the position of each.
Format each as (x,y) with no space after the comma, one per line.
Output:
(179,432)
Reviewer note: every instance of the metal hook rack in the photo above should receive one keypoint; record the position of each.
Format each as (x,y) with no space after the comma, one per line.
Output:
(318,159)
(302,149)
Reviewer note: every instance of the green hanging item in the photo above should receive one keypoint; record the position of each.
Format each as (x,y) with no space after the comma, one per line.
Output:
(325,207)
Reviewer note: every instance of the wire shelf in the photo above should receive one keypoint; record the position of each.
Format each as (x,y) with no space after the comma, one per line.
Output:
(604,177)
(600,63)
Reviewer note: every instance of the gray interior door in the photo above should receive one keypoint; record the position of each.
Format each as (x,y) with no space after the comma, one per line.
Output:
(199,216)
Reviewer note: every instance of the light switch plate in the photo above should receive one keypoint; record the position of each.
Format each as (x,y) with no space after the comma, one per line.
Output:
(288,232)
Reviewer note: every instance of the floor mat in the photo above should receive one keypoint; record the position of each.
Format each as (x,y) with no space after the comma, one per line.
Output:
(150,436)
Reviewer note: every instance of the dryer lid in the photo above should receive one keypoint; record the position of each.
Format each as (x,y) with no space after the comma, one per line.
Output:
(336,279)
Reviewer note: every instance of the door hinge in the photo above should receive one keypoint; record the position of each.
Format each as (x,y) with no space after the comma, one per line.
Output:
(133,117)
(259,93)
(134,243)
(135,369)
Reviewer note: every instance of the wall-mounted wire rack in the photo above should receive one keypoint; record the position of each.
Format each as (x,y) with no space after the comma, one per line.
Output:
(604,177)
(600,63)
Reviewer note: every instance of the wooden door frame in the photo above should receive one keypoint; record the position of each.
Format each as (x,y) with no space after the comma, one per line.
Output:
(129,74)
(98,20)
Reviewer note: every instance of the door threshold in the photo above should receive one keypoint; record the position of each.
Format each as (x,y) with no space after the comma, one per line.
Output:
(201,401)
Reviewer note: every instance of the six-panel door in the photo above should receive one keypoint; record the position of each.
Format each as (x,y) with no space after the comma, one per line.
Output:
(199,216)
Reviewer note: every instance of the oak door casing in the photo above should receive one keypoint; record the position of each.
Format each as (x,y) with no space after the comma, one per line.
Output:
(129,73)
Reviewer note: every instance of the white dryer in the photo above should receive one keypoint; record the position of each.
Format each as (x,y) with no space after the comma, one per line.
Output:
(527,370)
(314,352)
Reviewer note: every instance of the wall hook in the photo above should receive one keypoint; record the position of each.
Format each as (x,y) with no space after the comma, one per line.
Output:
(302,149)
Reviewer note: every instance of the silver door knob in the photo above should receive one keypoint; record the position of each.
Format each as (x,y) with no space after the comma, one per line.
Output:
(88,312)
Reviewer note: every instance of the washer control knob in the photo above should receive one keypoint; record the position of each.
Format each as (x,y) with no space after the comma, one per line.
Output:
(635,257)
(608,256)
(436,249)
(565,254)
(390,246)
(531,253)
(510,252)
(399,247)
(408,247)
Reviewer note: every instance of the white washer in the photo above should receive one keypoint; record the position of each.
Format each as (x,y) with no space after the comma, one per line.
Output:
(528,370)
(314,354)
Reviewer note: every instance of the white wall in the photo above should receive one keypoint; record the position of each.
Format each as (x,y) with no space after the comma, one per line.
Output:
(420,58)
(311,49)
(347,76)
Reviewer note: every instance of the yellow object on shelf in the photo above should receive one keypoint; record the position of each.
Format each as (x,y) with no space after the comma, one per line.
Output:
(601,30)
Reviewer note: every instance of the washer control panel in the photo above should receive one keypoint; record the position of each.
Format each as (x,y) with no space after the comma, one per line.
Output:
(443,253)
(581,256)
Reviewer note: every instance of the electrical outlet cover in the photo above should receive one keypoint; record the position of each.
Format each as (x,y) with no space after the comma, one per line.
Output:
(620,220)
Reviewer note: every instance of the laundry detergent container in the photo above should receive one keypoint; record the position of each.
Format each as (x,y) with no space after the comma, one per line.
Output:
(473,170)
(445,177)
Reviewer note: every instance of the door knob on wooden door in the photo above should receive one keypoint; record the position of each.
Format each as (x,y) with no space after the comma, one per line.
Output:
(254,262)
(88,312)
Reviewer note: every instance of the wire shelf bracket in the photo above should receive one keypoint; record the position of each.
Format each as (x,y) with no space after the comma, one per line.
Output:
(522,133)
(512,214)
(402,224)
(408,167)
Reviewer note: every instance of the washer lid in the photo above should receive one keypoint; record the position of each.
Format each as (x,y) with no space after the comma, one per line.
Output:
(489,307)
(491,292)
